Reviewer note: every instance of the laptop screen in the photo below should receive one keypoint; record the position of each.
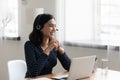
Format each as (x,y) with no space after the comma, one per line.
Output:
(81,67)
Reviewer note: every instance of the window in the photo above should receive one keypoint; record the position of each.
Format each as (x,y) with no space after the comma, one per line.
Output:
(109,20)
(9,19)
(78,20)
(92,20)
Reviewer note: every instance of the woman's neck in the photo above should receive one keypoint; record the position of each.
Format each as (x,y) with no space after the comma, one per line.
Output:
(45,43)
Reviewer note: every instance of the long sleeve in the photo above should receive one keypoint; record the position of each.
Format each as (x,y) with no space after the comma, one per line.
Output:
(64,60)
(35,60)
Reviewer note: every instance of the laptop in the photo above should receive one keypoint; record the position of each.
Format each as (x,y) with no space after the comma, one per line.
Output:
(80,68)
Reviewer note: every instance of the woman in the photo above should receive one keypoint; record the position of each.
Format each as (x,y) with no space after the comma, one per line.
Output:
(42,49)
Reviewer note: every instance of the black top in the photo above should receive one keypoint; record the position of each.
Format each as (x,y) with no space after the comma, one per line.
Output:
(38,63)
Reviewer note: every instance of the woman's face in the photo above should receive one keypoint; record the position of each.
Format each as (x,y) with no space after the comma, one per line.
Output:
(49,28)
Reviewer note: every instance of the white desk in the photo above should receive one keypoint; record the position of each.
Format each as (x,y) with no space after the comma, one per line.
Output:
(111,75)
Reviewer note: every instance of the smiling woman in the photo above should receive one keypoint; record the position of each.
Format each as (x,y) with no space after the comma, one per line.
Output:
(42,49)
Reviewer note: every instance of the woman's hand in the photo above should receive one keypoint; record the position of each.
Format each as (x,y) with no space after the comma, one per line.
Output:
(54,44)
(57,47)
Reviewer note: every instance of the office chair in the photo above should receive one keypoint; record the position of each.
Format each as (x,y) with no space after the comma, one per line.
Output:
(17,69)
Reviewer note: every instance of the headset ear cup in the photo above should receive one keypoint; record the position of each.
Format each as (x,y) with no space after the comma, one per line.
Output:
(38,27)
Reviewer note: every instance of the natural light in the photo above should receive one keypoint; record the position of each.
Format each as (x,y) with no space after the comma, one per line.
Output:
(77,21)
(97,20)
(9,19)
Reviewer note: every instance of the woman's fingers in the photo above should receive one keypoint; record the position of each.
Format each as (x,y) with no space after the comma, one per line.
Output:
(55,43)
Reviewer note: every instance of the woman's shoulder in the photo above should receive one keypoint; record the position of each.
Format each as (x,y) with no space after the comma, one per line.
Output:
(29,43)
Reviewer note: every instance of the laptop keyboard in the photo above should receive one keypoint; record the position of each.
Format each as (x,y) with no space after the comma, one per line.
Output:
(64,78)
(61,77)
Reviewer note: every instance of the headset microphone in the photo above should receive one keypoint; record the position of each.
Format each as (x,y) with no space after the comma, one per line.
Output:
(57,29)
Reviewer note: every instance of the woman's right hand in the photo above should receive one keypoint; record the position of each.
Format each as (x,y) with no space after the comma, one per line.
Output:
(52,44)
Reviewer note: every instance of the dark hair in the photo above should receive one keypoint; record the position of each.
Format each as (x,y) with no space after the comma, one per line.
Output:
(36,35)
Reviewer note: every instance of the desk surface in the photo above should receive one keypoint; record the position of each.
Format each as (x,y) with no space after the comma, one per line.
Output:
(111,75)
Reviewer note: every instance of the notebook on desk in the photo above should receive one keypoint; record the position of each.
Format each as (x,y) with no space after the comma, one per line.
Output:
(81,67)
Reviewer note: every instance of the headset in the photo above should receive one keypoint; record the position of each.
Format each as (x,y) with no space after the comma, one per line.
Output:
(38,27)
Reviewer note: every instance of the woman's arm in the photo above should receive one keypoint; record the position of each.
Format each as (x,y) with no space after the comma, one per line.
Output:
(64,60)
(35,64)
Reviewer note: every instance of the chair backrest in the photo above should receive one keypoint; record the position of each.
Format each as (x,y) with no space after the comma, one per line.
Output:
(17,69)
